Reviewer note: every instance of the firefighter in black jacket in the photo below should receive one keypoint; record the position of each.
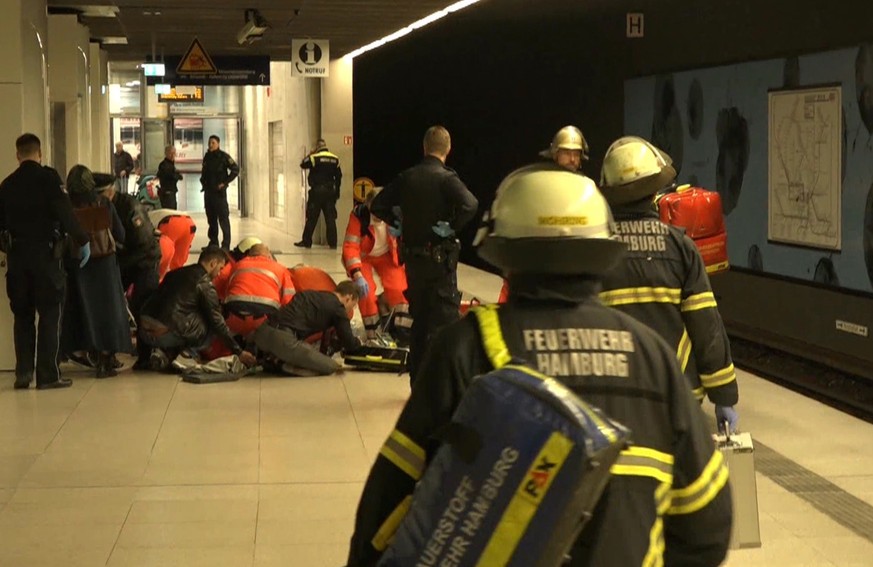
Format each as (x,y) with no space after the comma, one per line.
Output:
(434,206)
(218,171)
(185,313)
(35,213)
(325,177)
(663,280)
(668,501)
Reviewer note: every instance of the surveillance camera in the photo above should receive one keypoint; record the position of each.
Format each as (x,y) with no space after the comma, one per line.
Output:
(253,29)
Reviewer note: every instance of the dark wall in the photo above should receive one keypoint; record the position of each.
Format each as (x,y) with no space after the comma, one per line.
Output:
(504,75)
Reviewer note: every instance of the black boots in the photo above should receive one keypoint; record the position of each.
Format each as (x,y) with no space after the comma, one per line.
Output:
(105,365)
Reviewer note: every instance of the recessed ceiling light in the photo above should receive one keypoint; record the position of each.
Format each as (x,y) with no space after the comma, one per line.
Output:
(413,26)
(113,40)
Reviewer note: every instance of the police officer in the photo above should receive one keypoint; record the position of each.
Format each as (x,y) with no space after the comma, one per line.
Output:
(169,176)
(434,206)
(218,171)
(663,280)
(34,214)
(568,148)
(668,501)
(325,177)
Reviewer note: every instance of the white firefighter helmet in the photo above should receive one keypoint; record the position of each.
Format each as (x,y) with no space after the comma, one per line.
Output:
(246,243)
(634,169)
(567,138)
(547,220)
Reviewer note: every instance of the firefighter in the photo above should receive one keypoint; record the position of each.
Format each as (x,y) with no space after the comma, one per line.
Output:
(177,230)
(668,500)
(663,280)
(369,247)
(257,287)
(568,148)
(325,176)
(435,205)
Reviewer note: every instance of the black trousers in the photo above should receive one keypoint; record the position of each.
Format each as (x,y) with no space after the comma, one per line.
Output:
(168,200)
(322,200)
(35,284)
(434,302)
(145,282)
(217,214)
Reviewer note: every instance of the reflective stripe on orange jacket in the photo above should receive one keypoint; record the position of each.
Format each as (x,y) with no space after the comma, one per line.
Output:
(356,246)
(260,279)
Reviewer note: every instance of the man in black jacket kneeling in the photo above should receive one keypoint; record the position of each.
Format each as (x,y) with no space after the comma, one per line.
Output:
(185,313)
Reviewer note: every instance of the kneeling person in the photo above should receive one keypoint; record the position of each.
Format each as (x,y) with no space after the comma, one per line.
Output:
(185,313)
(282,337)
(258,286)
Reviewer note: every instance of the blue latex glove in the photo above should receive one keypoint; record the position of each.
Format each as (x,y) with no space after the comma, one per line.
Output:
(726,414)
(395,230)
(362,285)
(443,229)
(85,254)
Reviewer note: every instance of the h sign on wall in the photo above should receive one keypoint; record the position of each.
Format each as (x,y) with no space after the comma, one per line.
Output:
(635,25)
(310,58)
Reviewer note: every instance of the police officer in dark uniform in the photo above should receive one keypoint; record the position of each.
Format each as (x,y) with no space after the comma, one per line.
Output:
(663,280)
(169,176)
(668,501)
(434,206)
(218,171)
(325,176)
(35,216)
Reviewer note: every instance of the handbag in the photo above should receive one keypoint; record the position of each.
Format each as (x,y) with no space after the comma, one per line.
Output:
(96,220)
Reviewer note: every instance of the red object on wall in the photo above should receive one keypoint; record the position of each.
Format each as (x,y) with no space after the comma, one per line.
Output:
(700,213)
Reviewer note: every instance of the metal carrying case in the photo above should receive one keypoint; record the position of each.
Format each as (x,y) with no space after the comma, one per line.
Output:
(739,456)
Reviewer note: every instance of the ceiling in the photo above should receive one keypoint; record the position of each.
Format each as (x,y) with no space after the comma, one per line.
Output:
(167,27)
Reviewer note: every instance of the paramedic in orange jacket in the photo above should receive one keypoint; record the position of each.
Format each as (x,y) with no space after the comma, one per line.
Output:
(221,280)
(257,287)
(369,246)
(177,231)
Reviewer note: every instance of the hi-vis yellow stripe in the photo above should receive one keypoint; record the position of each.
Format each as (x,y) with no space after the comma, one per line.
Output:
(643,461)
(631,295)
(699,393)
(389,527)
(698,301)
(655,555)
(719,378)
(683,353)
(404,453)
(700,492)
(492,335)
(524,504)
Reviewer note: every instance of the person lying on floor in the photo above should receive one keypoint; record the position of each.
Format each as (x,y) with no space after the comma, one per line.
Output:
(282,337)
(184,313)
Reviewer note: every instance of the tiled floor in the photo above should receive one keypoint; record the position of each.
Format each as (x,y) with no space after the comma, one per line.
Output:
(143,469)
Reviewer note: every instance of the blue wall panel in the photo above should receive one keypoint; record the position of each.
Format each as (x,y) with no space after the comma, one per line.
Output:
(744,87)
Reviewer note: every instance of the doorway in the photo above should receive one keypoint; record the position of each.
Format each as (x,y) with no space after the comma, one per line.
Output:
(190,136)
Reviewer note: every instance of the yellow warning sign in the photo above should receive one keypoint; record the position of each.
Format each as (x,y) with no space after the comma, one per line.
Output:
(362,186)
(196,61)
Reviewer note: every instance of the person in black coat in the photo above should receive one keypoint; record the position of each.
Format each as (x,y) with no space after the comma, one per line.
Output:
(35,217)
(169,176)
(184,313)
(95,313)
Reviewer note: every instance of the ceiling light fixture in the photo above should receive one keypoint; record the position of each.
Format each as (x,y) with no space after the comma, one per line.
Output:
(411,27)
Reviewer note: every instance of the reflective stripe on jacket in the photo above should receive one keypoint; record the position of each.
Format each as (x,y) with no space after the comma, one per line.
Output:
(357,246)
(260,279)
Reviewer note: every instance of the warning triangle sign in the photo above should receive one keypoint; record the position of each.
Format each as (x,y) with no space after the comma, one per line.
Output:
(196,60)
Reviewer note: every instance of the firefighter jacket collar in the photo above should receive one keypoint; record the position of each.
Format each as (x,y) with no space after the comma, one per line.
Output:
(641,208)
(573,289)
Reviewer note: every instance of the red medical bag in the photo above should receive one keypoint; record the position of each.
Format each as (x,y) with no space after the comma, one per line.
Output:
(699,212)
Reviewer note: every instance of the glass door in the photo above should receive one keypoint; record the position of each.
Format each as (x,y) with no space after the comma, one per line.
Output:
(190,136)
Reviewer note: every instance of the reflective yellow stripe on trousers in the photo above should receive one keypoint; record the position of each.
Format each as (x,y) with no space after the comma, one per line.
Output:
(404,453)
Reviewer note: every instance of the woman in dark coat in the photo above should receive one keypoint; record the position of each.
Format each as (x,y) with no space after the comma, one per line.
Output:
(95,313)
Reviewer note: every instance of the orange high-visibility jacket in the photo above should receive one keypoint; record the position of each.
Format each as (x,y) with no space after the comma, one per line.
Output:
(260,279)
(360,239)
